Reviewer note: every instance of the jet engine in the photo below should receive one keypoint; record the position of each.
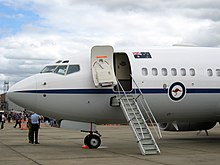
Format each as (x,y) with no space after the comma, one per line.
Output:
(186,126)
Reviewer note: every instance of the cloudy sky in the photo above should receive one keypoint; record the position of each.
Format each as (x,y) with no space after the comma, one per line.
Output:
(36,32)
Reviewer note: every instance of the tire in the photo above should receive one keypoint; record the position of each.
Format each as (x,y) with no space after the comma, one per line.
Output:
(86,140)
(93,141)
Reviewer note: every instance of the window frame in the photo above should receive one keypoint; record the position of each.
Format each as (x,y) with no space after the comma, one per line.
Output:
(183,71)
(173,71)
(209,72)
(67,73)
(49,71)
(192,72)
(164,71)
(59,66)
(154,71)
(217,72)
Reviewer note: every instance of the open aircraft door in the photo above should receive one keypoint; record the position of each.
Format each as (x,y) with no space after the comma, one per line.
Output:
(102,66)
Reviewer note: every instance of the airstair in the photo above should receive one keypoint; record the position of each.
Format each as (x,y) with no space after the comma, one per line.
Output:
(137,122)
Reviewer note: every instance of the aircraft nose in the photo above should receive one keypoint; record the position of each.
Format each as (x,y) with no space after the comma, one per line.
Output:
(23,93)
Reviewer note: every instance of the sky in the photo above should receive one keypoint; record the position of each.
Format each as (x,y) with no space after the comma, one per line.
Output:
(34,33)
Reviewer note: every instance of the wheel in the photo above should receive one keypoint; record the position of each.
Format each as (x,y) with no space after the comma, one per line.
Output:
(86,140)
(93,141)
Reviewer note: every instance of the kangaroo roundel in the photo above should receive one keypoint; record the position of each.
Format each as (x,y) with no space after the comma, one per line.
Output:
(177,91)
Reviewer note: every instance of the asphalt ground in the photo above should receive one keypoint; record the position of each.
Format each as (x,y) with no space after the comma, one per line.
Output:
(64,147)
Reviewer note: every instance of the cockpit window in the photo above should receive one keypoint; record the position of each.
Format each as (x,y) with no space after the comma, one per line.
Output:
(49,69)
(61,69)
(73,69)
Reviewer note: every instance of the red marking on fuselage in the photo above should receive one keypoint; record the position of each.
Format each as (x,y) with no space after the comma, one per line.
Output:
(175,91)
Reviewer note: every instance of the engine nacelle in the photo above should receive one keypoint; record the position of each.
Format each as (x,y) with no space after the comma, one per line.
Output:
(187,126)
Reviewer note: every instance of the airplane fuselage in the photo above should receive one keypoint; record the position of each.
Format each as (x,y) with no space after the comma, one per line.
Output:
(179,84)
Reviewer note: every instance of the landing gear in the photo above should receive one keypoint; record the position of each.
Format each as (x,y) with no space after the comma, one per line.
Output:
(92,141)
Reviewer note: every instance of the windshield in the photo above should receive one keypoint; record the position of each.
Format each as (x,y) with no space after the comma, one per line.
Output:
(61,69)
(49,69)
(73,69)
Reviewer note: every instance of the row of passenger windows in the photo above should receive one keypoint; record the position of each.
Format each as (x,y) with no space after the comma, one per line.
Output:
(174,72)
(61,69)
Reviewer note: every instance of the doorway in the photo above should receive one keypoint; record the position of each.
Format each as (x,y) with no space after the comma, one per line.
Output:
(122,70)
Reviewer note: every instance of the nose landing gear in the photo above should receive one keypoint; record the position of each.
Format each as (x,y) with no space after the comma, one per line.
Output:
(92,140)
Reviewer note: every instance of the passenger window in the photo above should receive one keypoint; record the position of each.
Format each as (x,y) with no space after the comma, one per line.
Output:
(209,72)
(49,69)
(61,69)
(73,69)
(173,71)
(154,72)
(144,72)
(164,71)
(183,71)
(192,72)
(218,72)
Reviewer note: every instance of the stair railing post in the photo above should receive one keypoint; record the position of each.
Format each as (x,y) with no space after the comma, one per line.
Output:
(130,107)
(148,112)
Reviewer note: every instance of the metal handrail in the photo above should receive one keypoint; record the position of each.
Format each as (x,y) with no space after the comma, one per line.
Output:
(120,97)
(148,112)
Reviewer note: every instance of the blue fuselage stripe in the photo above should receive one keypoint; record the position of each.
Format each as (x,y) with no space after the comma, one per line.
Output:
(110,91)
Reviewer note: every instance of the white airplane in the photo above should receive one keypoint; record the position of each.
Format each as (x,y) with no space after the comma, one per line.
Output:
(176,88)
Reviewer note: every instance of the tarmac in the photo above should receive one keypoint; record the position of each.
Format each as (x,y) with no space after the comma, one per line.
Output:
(64,147)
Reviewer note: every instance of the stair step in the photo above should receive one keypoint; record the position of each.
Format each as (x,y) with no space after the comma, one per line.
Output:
(139,126)
(146,137)
(149,147)
(145,132)
(131,104)
(139,129)
(151,152)
(147,142)
(131,107)
(127,98)
(137,116)
(133,112)
(137,121)
(129,101)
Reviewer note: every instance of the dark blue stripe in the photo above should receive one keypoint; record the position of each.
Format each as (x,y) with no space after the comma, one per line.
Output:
(215,90)
(71,91)
(110,91)
(154,91)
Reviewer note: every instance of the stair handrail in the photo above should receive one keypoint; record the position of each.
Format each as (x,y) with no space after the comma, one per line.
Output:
(149,113)
(125,95)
